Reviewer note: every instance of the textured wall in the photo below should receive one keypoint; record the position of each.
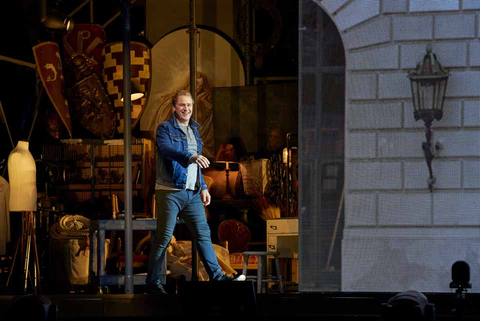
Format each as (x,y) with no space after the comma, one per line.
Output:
(399,236)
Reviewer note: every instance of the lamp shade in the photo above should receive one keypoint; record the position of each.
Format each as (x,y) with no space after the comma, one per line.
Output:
(135,92)
(226,152)
(429,84)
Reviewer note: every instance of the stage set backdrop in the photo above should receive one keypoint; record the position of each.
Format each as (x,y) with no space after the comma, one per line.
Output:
(218,65)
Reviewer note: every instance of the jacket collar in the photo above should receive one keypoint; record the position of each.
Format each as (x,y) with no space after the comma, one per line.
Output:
(191,123)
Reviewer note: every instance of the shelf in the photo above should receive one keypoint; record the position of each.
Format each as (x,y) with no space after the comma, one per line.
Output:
(106,164)
(101,187)
(98,142)
(91,168)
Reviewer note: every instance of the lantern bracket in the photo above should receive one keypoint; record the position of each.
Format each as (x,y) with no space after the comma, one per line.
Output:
(430,150)
(429,85)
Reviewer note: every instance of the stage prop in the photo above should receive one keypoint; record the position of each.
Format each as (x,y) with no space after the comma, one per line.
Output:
(93,107)
(113,63)
(50,70)
(83,51)
(23,198)
(250,112)
(90,103)
(218,65)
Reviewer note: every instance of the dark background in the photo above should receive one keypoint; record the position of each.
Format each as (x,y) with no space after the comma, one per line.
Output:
(20,31)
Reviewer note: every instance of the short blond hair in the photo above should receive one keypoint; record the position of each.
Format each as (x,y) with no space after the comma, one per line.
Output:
(181,93)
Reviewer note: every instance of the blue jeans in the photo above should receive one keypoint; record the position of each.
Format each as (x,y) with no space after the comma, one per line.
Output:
(169,204)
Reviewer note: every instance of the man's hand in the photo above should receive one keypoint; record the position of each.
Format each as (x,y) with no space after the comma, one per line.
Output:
(205,196)
(200,160)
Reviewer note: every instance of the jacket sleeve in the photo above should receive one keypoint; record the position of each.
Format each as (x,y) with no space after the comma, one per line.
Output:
(203,185)
(166,149)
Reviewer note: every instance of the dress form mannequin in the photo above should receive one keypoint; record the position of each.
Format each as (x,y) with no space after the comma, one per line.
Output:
(22,174)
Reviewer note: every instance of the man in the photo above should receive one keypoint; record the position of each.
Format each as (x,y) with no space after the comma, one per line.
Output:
(180,187)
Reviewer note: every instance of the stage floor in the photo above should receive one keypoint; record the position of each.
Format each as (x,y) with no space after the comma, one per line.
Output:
(235,299)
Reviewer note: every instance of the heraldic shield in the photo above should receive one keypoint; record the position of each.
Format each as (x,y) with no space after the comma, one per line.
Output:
(140,73)
(49,67)
(93,107)
(83,51)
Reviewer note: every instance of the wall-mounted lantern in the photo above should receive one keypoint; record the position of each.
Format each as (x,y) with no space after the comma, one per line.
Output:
(429,84)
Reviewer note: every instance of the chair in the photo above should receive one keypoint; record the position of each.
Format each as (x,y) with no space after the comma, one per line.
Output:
(140,259)
(262,278)
(237,235)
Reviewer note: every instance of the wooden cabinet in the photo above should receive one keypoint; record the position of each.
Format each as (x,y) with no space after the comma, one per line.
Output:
(282,237)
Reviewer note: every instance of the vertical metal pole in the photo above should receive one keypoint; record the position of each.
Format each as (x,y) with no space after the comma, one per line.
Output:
(91,11)
(192,30)
(287,179)
(193,90)
(127,140)
(92,174)
(248,37)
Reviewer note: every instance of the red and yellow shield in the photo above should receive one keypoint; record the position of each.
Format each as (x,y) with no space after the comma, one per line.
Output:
(49,66)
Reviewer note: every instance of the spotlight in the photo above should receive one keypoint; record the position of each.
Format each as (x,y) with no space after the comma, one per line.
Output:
(461,282)
(53,19)
(460,276)
(408,305)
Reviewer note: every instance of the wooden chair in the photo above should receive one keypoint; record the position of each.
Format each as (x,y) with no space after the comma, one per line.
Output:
(237,235)
(262,278)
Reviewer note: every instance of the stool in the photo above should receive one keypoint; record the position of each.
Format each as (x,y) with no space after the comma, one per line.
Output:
(262,262)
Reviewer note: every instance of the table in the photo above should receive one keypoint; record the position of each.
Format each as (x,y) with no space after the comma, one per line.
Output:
(99,227)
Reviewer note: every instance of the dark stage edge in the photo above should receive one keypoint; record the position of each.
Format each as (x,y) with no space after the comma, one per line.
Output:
(238,299)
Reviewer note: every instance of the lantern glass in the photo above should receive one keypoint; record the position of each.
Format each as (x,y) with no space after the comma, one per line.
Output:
(429,83)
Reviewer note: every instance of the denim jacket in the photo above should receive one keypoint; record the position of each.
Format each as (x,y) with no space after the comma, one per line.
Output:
(173,155)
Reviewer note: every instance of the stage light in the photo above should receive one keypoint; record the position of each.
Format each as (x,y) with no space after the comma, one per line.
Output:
(53,19)
(408,305)
(460,276)
(461,282)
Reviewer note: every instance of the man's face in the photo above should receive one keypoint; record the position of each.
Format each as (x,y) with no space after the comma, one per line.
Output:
(183,109)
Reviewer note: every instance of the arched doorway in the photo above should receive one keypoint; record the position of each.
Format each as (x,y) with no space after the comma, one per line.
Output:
(321,149)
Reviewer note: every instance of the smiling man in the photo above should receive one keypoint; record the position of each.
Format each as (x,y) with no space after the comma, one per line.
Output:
(180,188)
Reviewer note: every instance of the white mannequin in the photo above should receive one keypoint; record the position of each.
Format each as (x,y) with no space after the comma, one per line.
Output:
(22,174)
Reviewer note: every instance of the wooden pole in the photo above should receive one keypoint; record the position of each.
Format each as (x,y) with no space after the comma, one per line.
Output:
(332,243)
